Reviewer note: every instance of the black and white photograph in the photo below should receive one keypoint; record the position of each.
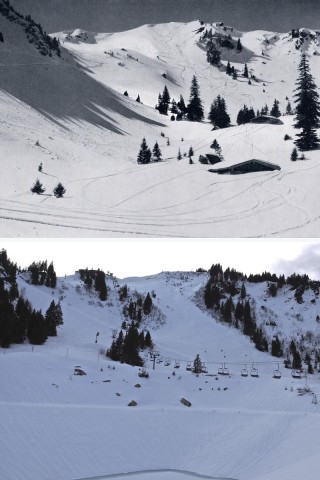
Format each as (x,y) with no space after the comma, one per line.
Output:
(159,239)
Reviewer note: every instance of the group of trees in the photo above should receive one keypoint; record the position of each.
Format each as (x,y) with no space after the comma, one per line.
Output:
(126,347)
(39,189)
(225,292)
(218,115)
(43,274)
(97,279)
(137,307)
(34,31)
(193,111)
(19,321)
(145,155)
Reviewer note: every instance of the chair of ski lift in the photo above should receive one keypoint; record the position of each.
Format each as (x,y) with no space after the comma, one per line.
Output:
(159,359)
(254,372)
(244,372)
(204,368)
(189,367)
(220,370)
(277,373)
(167,362)
(296,374)
(223,370)
(177,364)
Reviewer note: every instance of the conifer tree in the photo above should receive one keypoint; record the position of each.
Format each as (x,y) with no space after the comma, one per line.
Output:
(144,155)
(163,101)
(179,156)
(307,108)
(275,112)
(197,364)
(245,71)
(213,53)
(228,69)
(294,155)
(37,188)
(191,152)
(195,110)
(37,330)
(239,45)
(147,304)
(138,99)
(183,110)
(156,153)
(218,115)
(289,109)
(59,190)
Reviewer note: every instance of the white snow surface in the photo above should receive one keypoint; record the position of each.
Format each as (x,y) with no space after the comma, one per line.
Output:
(71,115)
(55,425)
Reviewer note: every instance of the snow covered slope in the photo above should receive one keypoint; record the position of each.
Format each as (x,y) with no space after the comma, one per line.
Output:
(70,114)
(63,426)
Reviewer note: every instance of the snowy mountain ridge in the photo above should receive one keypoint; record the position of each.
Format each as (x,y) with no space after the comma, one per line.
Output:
(68,115)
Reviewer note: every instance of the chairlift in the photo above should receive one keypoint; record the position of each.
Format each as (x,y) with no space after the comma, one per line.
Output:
(159,359)
(204,368)
(189,367)
(167,362)
(254,372)
(244,372)
(177,364)
(223,370)
(277,373)
(296,374)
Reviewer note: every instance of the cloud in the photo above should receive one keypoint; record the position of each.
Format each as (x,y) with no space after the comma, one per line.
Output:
(308,261)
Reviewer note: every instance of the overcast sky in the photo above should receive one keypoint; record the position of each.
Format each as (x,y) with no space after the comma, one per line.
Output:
(117,15)
(139,258)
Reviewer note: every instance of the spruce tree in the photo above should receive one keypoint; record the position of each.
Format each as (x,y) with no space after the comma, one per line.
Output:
(218,115)
(275,112)
(294,155)
(59,190)
(213,53)
(245,71)
(307,108)
(195,110)
(156,153)
(179,156)
(289,109)
(239,45)
(163,101)
(37,188)
(147,304)
(144,155)
(197,365)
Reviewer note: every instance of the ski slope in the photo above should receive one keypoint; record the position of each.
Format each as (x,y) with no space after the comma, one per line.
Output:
(67,427)
(70,114)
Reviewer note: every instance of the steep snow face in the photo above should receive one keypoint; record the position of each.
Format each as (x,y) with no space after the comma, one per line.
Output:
(70,114)
(82,427)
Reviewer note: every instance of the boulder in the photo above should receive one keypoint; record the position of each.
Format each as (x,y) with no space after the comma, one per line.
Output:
(185,402)
(133,403)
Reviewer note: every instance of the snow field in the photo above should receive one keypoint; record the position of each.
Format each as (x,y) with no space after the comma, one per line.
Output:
(72,427)
(72,116)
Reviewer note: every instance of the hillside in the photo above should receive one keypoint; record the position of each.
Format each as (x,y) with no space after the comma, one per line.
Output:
(81,426)
(69,113)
